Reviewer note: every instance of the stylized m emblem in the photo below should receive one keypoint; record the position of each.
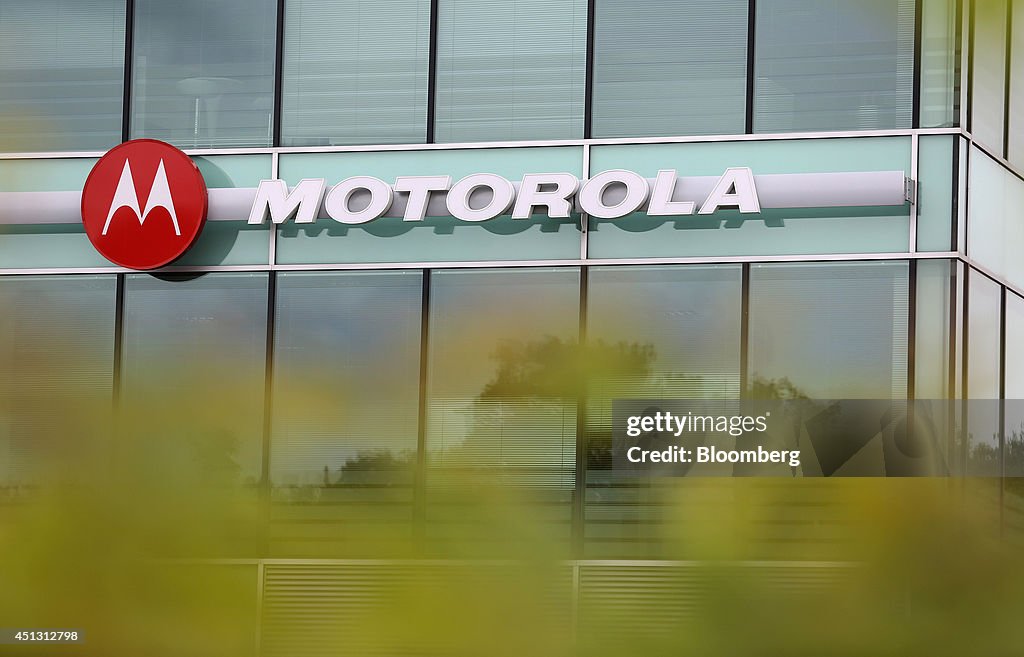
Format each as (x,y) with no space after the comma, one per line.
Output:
(126,197)
(275,201)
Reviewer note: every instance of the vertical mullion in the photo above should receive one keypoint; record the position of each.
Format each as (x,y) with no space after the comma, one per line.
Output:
(964,355)
(129,45)
(958,77)
(970,64)
(432,73)
(915,154)
(268,397)
(745,330)
(1006,79)
(912,332)
(574,607)
(911,391)
(963,218)
(580,488)
(115,451)
(1002,404)
(419,489)
(951,374)
(954,224)
(588,83)
(275,173)
(268,381)
(584,217)
(751,29)
(115,381)
(261,574)
(278,74)
(918,58)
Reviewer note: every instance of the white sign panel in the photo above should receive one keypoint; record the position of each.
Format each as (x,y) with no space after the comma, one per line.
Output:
(483,196)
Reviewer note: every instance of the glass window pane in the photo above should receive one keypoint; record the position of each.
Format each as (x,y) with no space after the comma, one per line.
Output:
(663,67)
(193,370)
(1014,346)
(1015,140)
(935,192)
(989,76)
(984,324)
(62,74)
(57,359)
(940,66)
(203,72)
(934,366)
(833,65)
(346,409)
(832,331)
(995,227)
(1014,388)
(510,69)
(932,326)
(346,376)
(369,87)
(502,390)
(690,334)
(657,333)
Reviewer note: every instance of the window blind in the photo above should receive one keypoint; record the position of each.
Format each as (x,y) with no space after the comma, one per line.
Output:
(62,74)
(193,365)
(56,353)
(510,69)
(663,67)
(355,72)
(204,72)
(833,65)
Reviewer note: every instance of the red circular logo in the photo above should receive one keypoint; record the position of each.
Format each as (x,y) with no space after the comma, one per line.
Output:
(144,204)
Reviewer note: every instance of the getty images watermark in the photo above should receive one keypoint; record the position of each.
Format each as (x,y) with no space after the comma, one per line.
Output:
(655,424)
(813,437)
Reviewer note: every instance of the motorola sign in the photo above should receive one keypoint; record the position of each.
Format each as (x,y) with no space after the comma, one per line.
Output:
(611,194)
(484,196)
(144,204)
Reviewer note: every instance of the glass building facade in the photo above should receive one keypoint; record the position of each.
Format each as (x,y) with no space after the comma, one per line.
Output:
(347,378)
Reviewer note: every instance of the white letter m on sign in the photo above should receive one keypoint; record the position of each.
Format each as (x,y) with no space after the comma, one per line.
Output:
(159,197)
